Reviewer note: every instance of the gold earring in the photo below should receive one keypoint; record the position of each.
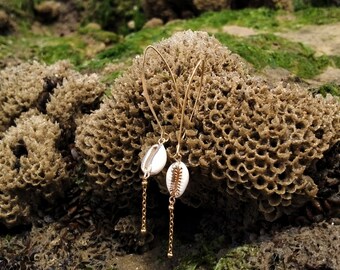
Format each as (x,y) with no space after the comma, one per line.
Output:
(177,176)
(155,158)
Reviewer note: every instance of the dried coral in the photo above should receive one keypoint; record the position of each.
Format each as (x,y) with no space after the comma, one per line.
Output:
(40,106)
(30,163)
(26,86)
(203,5)
(128,229)
(12,210)
(314,247)
(248,139)
(77,95)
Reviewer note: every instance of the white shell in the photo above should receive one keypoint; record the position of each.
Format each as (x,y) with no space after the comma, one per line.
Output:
(183,179)
(154,160)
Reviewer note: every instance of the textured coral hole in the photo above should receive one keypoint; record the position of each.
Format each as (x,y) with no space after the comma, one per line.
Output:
(50,83)
(220,105)
(19,150)
(274,199)
(300,125)
(271,186)
(260,152)
(260,181)
(282,176)
(226,131)
(169,116)
(249,166)
(228,150)
(221,143)
(260,163)
(251,103)
(273,142)
(88,108)
(255,136)
(233,175)
(289,120)
(234,161)
(319,133)
(214,117)
(218,134)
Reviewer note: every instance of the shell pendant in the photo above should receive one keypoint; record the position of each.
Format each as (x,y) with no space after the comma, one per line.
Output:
(177,179)
(154,160)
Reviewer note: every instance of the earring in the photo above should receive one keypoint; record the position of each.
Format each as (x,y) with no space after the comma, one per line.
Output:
(155,158)
(177,176)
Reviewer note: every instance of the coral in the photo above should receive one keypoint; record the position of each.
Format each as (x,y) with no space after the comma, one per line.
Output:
(40,106)
(12,210)
(211,5)
(248,140)
(57,90)
(77,95)
(25,86)
(315,247)
(128,229)
(30,164)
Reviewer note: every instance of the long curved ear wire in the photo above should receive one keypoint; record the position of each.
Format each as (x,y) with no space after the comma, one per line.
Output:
(177,176)
(155,158)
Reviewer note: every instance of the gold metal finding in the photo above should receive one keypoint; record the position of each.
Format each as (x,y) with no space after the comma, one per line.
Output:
(178,178)
(172,201)
(144,197)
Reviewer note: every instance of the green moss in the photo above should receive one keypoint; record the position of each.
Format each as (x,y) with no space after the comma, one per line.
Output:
(237,258)
(317,16)
(53,53)
(110,78)
(328,88)
(98,34)
(261,18)
(270,50)
(336,60)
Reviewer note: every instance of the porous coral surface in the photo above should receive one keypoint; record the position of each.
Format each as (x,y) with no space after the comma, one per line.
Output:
(315,247)
(30,166)
(24,86)
(40,106)
(247,140)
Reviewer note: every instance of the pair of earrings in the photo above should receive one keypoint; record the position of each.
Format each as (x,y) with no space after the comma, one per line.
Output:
(177,176)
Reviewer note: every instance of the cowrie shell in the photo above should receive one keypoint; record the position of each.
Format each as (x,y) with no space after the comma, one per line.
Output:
(154,160)
(177,179)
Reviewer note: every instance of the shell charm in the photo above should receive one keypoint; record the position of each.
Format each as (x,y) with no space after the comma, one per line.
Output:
(154,160)
(177,179)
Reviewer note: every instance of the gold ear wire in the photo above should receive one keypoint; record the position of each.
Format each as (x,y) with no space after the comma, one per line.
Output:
(179,136)
(145,91)
(177,177)
(155,158)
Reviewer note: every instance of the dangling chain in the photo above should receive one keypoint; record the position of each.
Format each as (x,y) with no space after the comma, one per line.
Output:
(177,176)
(149,165)
(172,201)
(144,196)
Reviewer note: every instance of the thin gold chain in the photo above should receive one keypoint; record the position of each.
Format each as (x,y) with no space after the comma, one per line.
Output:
(144,196)
(172,201)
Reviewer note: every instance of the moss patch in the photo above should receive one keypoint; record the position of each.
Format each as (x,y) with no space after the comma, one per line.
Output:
(237,258)
(328,88)
(261,50)
(270,50)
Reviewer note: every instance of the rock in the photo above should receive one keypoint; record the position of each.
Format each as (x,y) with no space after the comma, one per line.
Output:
(48,11)
(154,22)
(5,23)
(93,26)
